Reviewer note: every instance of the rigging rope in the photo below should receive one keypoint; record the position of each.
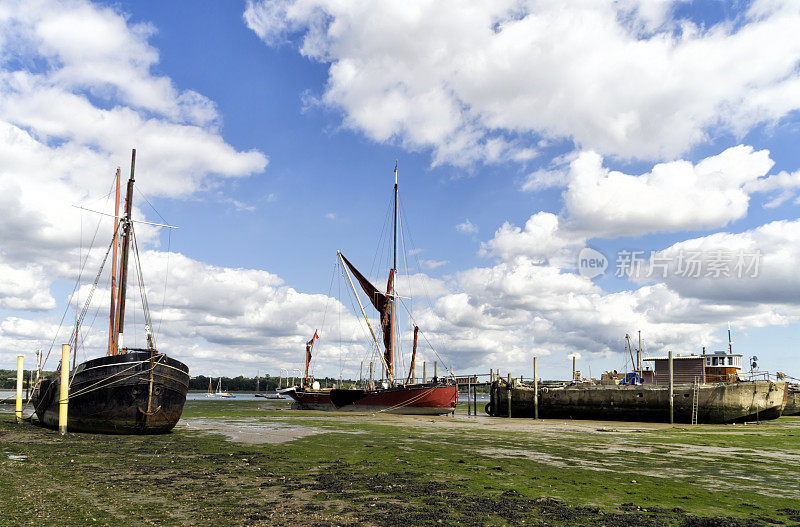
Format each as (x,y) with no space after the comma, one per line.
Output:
(142,292)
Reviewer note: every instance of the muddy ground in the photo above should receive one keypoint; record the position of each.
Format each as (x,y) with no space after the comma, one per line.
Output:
(258,463)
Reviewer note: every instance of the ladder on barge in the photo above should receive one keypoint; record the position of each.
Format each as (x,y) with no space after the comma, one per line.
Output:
(695,400)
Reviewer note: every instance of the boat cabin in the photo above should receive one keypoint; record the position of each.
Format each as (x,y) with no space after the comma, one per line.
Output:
(722,366)
(719,366)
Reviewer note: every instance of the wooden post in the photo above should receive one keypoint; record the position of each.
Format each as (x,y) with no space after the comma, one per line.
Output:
(671,391)
(535,390)
(361,374)
(573,367)
(469,393)
(509,395)
(63,398)
(371,386)
(20,372)
(436,370)
(424,373)
(475,397)
(491,375)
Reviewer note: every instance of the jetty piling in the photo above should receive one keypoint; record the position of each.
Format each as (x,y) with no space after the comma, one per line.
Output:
(475,398)
(469,387)
(63,398)
(535,390)
(510,389)
(671,390)
(20,372)
(370,376)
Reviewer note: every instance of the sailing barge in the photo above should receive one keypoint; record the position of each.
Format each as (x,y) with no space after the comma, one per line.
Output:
(393,395)
(130,390)
(716,396)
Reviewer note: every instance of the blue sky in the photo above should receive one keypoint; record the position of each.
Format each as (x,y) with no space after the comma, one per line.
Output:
(523,132)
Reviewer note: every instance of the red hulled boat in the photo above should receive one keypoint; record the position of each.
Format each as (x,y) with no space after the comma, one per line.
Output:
(391,396)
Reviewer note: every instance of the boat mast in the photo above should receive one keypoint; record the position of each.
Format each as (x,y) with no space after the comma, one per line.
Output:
(390,294)
(730,342)
(123,271)
(112,328)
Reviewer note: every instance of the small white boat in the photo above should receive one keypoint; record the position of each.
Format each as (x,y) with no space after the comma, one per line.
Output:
(219,392)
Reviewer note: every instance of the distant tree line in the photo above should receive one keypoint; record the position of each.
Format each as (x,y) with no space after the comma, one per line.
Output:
(248,384)
(8,379)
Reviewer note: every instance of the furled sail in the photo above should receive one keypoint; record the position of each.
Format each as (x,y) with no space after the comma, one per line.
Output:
(381,302)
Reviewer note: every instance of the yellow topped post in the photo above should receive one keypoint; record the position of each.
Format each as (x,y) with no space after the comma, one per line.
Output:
(18,410)
(63,399)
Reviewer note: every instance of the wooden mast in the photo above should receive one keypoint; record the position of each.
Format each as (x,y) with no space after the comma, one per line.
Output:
(123,271)
(112,329)
(413,355)
(390,293)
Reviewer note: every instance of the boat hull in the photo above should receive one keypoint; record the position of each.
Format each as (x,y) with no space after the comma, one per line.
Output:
(311,399)
(430,399)
(110,395)
(792,401)
(717,403)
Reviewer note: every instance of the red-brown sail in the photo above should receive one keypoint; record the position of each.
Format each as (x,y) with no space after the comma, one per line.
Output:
(309,348)
(383,304)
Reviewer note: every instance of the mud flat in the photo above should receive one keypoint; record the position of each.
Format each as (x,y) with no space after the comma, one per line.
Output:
(257,463)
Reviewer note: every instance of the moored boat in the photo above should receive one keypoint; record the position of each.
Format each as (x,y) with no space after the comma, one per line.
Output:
(391,395)
(733,402)
(792,400)
(130,390)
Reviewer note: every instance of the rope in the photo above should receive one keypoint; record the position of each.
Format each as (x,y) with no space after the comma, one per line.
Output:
(99,383)
(74,289)
(166,277)
(142,293)
(408,402)
(411,316)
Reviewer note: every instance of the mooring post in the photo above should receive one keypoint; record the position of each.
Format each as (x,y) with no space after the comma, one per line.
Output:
(18,410)
(424,372)
(469,409)
(361,374)
(436,370)
(370,375)
(475,397)
(491,375)
(535,390)
(671,391)
(64,395)
(573,367)
(509,395)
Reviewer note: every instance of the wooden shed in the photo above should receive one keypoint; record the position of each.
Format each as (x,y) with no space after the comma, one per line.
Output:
(685,368)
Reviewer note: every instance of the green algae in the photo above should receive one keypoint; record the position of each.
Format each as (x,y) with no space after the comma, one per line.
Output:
(393,470)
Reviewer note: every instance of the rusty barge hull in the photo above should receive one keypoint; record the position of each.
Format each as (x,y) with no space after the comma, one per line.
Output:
(110,395)
(717,403)
(793,401)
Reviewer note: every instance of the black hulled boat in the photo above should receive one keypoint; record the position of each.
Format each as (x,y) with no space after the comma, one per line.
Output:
(130,390)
